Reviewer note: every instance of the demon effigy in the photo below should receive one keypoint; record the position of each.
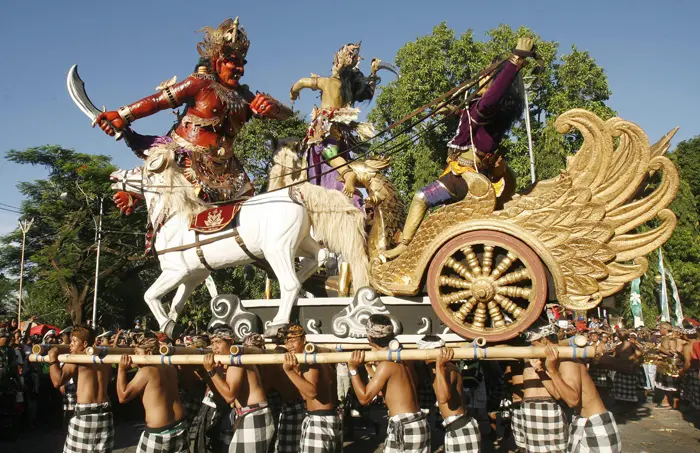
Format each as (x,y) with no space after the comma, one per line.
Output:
(216,106)
(335,129)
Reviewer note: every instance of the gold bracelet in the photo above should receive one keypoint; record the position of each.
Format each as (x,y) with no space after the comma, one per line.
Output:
(126,115)
(170,97)
(516,60)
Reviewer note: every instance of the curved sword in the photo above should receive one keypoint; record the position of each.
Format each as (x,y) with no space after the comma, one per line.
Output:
(76,90)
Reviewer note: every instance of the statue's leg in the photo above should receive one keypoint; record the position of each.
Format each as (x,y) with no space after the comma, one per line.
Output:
(281,261)
(416,212)
(183,292)
(315,257)
(166,282)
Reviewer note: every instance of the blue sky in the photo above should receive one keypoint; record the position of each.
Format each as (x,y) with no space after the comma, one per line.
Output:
(125,49)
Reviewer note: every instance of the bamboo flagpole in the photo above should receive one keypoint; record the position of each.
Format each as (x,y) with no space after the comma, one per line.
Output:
(473,353)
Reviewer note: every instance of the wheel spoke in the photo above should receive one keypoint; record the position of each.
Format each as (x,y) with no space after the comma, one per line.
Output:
(514,291)
(465,309)
(496,316)
(460,268)
(504,265)
(456,297)
(514,277)
(454,282)
(480,316)
(487,260)
(472,260)
(509,306)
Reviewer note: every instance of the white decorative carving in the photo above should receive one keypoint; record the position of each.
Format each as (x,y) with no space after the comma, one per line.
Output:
(350,321)
(426,326)
(313,326)
(227,310)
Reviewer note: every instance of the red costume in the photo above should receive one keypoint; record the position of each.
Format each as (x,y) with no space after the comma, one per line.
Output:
(217,107)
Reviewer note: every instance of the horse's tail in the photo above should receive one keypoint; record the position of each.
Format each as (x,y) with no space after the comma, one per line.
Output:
(340,226)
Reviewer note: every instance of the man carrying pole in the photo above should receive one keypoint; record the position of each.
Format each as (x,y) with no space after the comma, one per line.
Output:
(242,386)
(408,428)
(166,426)
(461,430)
(321,431)
(593,428)
(91,429)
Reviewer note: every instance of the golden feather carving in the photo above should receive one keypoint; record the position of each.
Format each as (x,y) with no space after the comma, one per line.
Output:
(584,223)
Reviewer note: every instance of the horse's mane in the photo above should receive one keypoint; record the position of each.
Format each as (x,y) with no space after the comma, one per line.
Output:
(177,193)
(287,168)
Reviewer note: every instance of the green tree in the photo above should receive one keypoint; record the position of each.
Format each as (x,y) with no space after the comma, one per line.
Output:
(60,251)
(436,63)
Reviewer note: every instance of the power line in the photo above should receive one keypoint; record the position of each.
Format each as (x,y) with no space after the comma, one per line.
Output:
(9,206)
(10,210)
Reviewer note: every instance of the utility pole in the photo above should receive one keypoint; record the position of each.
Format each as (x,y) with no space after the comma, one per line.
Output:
(24,226)
(98,239)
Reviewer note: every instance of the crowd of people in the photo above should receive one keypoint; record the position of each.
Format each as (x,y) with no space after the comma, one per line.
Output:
(535,405)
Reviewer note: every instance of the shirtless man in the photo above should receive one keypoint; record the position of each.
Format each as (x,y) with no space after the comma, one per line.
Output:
(91,429)
(543,420)
(691,368)
(166,425)
(322,428)
(408,428)
(292,409)
(626,383)
(461,430)
(242,387)
(593,428)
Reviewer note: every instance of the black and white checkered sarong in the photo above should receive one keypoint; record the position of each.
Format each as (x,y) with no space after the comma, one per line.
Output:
(461,434)
(625,386)
(91,429)
(516,424)
(595,434)
(600,376)
(407,432)
(289,428)
(252,431)
(666,383)
(544,426)
(321,433)
(191,402)
(691,389)
(169,439)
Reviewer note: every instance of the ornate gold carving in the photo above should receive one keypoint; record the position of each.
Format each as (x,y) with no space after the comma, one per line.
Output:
(582,224)
(214,219)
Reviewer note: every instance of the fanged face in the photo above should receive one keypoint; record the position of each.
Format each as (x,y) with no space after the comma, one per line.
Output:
(230,70)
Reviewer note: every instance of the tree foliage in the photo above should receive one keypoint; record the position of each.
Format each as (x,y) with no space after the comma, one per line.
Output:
(60,251)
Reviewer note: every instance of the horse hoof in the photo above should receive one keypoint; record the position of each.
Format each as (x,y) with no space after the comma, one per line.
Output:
(172,330)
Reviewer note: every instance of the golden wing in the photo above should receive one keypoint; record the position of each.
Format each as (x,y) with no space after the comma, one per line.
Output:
(588,218)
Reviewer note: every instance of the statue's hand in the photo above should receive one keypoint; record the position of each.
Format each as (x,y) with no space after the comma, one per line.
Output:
(293,95)
(125,202)
(349,187)
(111,116)
(264,106)
(525,44)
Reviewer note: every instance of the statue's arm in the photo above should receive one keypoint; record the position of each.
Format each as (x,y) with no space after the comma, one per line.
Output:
(312,83)
(170,97)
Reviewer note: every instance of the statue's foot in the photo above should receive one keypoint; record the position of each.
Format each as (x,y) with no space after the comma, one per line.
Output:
(172,330)
(272,329)
(393,253)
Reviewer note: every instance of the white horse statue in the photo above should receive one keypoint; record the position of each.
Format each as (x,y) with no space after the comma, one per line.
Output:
(273,226)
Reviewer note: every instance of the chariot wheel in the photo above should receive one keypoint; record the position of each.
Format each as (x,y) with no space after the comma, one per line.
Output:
(487,284)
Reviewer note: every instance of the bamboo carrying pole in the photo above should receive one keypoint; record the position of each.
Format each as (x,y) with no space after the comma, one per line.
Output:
(167,349)
(103,351)
(43,348)
(474,353)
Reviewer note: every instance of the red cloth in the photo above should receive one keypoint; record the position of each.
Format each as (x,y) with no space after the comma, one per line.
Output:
(41,329)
